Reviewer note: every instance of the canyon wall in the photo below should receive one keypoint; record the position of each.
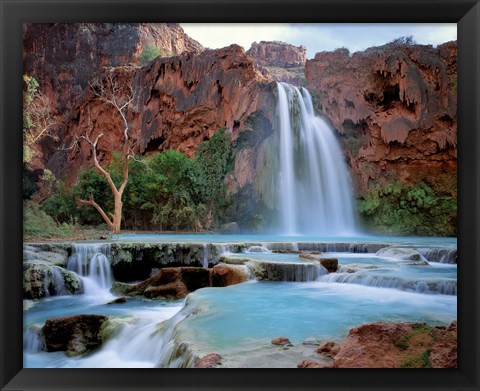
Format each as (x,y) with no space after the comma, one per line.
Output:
(394,107)
(280,61)
(64,57)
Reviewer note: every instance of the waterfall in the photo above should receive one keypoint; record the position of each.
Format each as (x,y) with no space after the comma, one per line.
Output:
(91,262)
(315,194)
(205,256)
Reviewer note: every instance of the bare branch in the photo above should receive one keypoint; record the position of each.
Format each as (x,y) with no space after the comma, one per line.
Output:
(92,202)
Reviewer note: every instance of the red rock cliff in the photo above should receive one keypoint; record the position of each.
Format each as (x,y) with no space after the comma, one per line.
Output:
(63,57)
(280,61)
(394,107)
(180,102)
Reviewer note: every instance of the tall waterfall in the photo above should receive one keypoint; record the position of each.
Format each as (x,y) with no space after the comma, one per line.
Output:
(315,194)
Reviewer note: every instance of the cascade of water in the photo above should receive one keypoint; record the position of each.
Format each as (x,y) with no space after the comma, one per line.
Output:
(257,249)
(91,262)
(315,194)
(32,343)
(205,256)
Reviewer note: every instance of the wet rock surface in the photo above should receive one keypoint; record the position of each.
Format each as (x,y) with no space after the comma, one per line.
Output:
(176,283)
(210,361)
(73,334)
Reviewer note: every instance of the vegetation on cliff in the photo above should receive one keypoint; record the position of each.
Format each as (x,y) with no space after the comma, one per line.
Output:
(418,209)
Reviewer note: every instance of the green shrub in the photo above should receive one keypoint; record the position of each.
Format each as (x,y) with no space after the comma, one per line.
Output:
(38,224)
(149,53)
(409,210)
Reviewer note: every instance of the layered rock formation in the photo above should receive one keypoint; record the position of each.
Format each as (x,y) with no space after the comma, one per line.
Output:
(180,101)
(63,57)
(394,107)
(280,61)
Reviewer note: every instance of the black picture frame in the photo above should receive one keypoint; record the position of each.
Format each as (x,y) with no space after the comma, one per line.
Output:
(464,12)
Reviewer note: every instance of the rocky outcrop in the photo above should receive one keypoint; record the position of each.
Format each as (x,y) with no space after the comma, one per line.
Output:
(331,264)
(395,345)
(176,283)
(41,279)
(73,334)
(64,57)
(280,61)
(210,361)
(180,102)
(394,107)
(278,54)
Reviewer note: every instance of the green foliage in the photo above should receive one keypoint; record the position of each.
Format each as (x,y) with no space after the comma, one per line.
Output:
(409,209)
(90,182)
(168,190)
(149,53)
(61,205)
(38,224)
(214,159)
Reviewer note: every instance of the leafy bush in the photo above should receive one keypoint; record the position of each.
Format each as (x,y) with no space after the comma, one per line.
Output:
(409,210)
(38,224)
(149,53)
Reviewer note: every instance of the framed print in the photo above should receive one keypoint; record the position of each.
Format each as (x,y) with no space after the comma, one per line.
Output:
(246,187)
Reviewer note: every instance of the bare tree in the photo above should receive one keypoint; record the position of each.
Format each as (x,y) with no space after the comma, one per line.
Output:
(120,97)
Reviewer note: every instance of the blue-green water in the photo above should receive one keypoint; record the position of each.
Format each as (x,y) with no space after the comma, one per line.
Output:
(240,319)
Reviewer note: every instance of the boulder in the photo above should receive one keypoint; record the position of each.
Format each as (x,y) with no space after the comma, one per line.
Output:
(210,361)
(225,275)
(331,264)
(41,279)
(73,334)
(281,341)
(118,300)
(169,283)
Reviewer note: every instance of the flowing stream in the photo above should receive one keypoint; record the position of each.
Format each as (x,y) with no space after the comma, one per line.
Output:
(240,322)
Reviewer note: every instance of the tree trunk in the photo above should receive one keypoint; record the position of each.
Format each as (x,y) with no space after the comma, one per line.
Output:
(117,214)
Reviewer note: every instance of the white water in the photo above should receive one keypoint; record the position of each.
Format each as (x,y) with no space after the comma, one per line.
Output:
(315,193)
(91,262)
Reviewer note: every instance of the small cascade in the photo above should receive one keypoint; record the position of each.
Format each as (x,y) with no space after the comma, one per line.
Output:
(282,271)
(91,261)
(257,249)
(205,256)
(57,282)
(443,287)
(441,255)
(32,342)
(315,193)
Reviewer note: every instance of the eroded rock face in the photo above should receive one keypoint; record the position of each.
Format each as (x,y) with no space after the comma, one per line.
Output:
(278,54)
(394,107)
(395,345)
(73,334)
(178,282)
(63,57)
(180,102)
(280,61)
